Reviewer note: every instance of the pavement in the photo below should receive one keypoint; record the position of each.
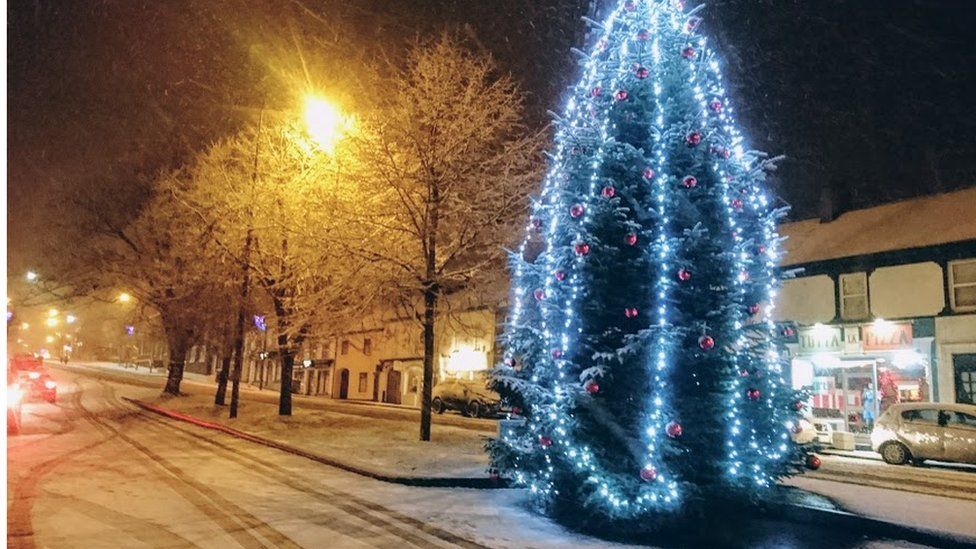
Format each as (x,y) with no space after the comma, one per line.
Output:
(94,471)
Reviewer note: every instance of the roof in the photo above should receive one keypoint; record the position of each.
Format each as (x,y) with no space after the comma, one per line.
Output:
(915,223)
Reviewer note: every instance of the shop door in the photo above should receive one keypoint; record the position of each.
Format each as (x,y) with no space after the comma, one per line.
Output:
(344,384)
(393,387)
(964,367)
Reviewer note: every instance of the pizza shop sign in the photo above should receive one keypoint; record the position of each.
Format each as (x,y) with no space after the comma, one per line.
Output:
(885,336)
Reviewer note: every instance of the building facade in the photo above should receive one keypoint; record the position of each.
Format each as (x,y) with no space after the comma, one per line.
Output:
(884,307)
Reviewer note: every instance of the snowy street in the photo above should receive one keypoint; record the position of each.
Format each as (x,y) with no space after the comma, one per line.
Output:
(93,471)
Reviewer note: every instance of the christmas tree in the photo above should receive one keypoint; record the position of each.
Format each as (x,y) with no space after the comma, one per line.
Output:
(640,348)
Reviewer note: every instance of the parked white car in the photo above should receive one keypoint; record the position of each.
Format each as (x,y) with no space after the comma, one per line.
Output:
(918,431)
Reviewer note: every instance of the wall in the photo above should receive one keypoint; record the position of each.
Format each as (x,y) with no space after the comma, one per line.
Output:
(905,291)
(806,300)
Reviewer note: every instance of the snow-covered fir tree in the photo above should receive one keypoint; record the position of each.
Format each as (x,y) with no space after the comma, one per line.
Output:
(641,350)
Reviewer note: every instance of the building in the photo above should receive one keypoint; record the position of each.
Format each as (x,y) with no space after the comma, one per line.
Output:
(884,300)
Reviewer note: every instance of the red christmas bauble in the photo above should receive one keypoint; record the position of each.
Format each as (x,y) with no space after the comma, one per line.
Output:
(630,312)
(706,342)
(642,73)
(536,223)
(789,332)
(692,23)
(582,248)
(557,353)
(648,173)
(796,429)
(684,275)
(798,406)
(689,181)
(813,462)
(688,52)
(743,373)
(643,34)
(560,275)
(621,95)
(539,294)
(508,361)
(715,105)
(753,309)
(545,441)
(753,394)
(609,191)
(693,139)
(648,473)
(575,210)
(592,387)
(761,249)
(596,91)
(630,239)
(516,410)
(673,429)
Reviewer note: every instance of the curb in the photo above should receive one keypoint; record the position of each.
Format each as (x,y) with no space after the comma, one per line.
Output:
(426,482)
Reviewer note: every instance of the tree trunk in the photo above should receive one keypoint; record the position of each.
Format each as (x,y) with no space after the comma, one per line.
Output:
(430,303)
(238,354)
(177,362)
(287,367)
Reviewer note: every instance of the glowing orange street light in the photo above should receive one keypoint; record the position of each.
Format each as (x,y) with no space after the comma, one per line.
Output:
(324,122)
(125,297)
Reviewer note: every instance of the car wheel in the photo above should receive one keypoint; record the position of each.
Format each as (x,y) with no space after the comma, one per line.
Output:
(474,408)
(895,453)
(437,406)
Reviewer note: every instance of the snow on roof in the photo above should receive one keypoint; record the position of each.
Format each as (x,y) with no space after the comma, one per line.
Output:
(925,221)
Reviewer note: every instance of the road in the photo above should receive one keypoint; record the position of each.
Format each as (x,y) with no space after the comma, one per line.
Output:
(92,471)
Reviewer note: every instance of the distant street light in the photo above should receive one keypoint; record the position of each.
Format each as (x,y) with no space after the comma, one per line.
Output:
(70,319)
(52,313)
(31,276)
(124,297)
(324,122)
(49,339)
(51,322)
(24,325)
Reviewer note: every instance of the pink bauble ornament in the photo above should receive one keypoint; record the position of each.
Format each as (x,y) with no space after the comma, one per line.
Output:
(673,429)
(557,353)
(592,387)
(630,312)
(789,332)
(621,95)
(648,173)
(743,373)
(630,239)
(692,23)
(545,441)
(689,181)
(560,275)
(609,191)
(596,91)
(516,410)
(753,309)
(693,139)
(761,249)
(798,406)
(642,73)
(753,394)
(684,275)
(630,5)
(715,105)
(688,52)
(648,473)
(582,248)
(576,210)
(539,294)
(643,34)
(706,342)
(536,223)
(736,204)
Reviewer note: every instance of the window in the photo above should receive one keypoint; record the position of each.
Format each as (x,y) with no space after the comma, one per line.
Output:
(921,416)
(962,285)
(367,346)
(964,368)
(345,347)
(363,378)
(961,419)
(854,296)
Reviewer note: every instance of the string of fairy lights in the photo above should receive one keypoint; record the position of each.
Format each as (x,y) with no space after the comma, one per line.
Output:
(550,426)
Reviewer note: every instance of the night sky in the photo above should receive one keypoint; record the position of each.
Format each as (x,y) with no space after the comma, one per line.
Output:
(869,100)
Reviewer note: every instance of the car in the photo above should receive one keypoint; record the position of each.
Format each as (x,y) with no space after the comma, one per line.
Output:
(34,380)
(917,431)
(470,397)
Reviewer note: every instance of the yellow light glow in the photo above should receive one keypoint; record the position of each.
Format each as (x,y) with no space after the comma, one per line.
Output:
(49,339)
(31,276)
(51,322)
(124,297)
(70,319)
(52,312)
(24,325)
(324,122)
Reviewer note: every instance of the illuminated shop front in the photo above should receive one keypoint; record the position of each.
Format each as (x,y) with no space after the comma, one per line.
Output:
(854,372)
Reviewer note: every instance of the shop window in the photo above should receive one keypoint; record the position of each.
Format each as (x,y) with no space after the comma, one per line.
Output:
(921,416)
(367,346)
(345,347)
(363,380)
(854,296)
(962,285)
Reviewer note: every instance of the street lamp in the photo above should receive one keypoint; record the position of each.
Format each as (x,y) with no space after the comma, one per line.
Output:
(52,313)
(70,319)
(51,322)
(31,276)
(24,325)
(124,297)
(324,122)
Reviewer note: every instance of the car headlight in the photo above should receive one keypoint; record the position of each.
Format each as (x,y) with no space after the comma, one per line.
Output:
(50,384)
(34,375)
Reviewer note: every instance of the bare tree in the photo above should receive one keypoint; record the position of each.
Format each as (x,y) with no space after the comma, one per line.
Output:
(443,168)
